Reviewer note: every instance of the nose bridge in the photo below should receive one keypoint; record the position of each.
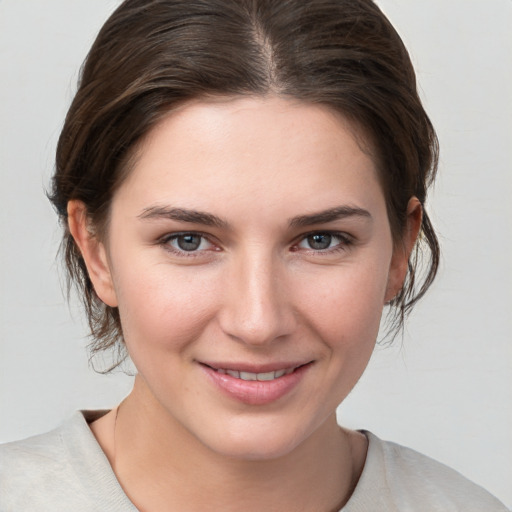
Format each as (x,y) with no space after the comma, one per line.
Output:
(258,310)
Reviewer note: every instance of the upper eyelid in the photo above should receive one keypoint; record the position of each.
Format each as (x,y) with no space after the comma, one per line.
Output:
(341,234)
(326,231)
(175,234)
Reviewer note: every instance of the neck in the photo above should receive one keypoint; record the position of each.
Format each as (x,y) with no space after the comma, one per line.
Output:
(162,466)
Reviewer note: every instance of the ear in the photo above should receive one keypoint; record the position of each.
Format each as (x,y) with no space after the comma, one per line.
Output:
(402,250)
(93,252)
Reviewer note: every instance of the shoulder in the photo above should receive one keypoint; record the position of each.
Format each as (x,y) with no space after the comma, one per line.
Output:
(64,469)
(31,468)
(396,478)
(31,459)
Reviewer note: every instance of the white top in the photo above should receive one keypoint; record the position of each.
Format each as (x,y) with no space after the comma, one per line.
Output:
(66,470)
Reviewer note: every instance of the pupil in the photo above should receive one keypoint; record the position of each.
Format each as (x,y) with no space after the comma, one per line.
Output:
(319,241)
(189,242)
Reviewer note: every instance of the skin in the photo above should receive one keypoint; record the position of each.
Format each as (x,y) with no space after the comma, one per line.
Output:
(254,292)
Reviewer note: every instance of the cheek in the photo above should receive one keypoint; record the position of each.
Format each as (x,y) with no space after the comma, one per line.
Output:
(342,311)
(345,312)
(162,308)
(346,301)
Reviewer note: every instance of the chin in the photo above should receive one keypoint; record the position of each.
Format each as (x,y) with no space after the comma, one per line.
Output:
(259,441)
(249,450)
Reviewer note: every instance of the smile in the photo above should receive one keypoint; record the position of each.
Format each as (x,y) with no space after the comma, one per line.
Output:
(256,385)
(266,376)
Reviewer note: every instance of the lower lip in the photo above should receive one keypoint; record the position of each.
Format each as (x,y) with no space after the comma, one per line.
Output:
(255,392)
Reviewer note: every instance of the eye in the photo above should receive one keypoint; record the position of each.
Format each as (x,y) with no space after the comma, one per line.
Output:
(187,243)
(324,241)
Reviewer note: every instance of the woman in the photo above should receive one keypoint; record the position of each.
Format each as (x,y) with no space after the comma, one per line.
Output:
(242,186)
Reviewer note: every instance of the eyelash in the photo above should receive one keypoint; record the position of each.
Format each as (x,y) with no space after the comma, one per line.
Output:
(344,243)
(165,242)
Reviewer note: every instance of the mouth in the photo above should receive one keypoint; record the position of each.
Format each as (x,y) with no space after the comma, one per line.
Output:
(251,376)
(256,385)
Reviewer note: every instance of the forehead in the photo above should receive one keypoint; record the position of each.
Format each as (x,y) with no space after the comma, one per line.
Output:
(263,149)
(274,121)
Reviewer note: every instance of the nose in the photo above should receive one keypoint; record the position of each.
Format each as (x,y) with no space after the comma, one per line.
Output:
(258,307)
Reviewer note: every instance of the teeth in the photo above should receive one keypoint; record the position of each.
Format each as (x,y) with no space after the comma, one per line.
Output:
(248,376)
(256,376)
(268,375)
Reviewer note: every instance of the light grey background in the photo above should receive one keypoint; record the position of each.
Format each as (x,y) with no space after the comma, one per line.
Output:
(445,391)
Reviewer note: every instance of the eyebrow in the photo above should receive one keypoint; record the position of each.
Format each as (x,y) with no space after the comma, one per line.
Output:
(182,215)
(329,215)
(208,219)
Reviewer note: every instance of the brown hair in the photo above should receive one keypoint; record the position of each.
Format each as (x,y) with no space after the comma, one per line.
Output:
(152,55)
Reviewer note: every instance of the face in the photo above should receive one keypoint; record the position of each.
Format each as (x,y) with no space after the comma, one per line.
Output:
(250,255)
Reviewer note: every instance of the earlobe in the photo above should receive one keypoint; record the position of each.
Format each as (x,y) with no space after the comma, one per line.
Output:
(402,251)
(93,251)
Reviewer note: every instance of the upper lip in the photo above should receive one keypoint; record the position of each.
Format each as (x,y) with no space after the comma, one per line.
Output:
(254,368)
